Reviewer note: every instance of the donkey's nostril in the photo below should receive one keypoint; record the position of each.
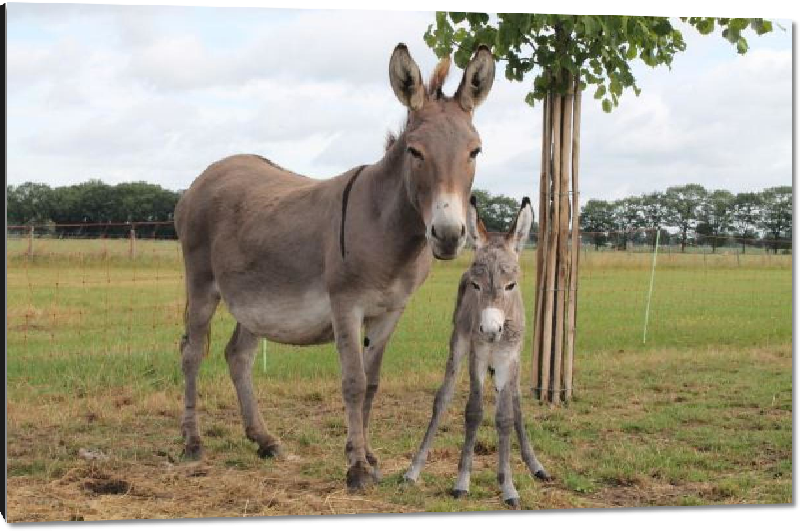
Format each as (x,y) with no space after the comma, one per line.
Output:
(463,230)
(481,329)
(433,232)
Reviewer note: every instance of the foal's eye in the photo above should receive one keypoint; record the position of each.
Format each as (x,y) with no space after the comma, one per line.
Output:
(476,286)
(474,153)
(511,286)
(415,153)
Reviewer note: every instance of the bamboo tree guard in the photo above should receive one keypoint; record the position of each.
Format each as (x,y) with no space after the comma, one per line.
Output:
(558,247)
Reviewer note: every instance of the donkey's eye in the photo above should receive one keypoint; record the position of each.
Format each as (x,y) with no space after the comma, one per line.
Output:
(476,286)
(474,153)
(511,286)
(415,153)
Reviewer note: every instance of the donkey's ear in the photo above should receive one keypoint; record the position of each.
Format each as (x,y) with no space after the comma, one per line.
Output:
(521,227)
(477,80)
(406,79)
(475,227)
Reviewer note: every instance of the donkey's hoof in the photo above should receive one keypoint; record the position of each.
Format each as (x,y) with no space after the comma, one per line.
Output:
(543,475)
(193,450)
(270,450)
(513,503)
(458,493)
(359,477)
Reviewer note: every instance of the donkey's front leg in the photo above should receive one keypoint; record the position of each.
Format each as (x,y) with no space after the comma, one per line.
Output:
(504,421)
(528,454)
(459,345)
(472,420)
(377,332)
(347,329)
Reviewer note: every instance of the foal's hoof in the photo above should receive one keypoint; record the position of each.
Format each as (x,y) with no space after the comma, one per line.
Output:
(359,477)
(458,493)
(409,479)
(271,450)
(543,475)
(513,503)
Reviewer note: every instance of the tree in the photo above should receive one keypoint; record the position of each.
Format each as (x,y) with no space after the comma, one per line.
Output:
(597,218)
(627,218)
(599,49)
(715,216)
(497,211)
(745,215)
(29,203)
(568,53)
(683,204)
(654,212)
(776,213)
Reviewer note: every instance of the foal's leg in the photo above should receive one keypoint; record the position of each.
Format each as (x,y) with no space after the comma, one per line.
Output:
(240,354)
(376,335)
(504,421)
(459,344)
(528,455)
(347,329)
(202,300)
(473,417)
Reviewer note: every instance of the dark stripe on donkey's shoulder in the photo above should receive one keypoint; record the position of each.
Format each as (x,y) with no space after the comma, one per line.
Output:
(345,199)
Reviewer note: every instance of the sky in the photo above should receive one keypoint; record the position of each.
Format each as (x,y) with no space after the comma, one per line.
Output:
(157,93)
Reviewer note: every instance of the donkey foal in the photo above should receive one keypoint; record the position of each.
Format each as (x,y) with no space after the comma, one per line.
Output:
(489,323)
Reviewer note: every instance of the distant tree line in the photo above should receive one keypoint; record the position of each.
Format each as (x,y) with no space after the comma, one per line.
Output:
(692,215)
(687,215)
(91,204)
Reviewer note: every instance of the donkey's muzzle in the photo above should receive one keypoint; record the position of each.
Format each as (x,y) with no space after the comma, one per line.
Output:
(448,240)
(491,325)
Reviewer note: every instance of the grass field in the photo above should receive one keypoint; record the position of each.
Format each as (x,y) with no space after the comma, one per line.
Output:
(701,414)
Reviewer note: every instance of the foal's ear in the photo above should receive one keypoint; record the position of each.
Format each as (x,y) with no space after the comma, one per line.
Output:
(475,227)
(477,80)
(406,79)
(521,227)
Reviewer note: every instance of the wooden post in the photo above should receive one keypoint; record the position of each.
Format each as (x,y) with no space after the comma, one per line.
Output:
(572,310)
(132,252)
(541,245)
(563,227)
(552,241)
(30,241)
(555,313)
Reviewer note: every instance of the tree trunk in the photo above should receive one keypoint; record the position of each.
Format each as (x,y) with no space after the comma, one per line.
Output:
(557,261)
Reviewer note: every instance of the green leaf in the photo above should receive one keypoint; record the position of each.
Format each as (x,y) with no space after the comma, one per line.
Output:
(606,105)
(600,92)
(457,16)
(741,45)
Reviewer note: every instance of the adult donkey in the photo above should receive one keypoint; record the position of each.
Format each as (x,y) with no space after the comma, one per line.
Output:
(303,261)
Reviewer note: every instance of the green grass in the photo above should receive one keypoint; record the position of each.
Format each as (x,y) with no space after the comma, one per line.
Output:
(700,414)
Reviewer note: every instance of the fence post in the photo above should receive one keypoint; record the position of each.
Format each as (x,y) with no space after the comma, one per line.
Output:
(30,241)
(133,242)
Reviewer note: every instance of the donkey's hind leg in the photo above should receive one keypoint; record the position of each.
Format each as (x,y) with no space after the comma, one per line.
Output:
(240,354)
(528,454)
(202,301)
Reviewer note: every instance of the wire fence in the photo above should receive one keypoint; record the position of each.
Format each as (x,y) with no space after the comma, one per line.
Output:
(118,288)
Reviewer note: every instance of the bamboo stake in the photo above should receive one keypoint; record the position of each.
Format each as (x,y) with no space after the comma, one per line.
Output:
(549,291)
(563,229)
(572,312)
(541,246)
